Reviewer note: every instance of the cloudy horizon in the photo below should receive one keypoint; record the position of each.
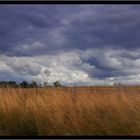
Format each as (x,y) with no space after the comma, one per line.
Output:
(81,44)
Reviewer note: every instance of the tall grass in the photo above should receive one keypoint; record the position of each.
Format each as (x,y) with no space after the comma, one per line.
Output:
(70,111)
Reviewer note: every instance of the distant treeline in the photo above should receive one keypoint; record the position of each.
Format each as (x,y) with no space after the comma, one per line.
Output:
(25,84)
(34,84)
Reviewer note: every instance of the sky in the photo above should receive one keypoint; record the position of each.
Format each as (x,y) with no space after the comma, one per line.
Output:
(76,44)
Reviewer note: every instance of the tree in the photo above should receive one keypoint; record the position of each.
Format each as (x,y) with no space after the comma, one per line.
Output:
(34,84)
(46,74)
(46,84)
(12,84)
(57,84)
(24,84)
(3,84)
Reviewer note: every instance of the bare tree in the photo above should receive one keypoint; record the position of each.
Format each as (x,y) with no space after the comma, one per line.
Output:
(45,74)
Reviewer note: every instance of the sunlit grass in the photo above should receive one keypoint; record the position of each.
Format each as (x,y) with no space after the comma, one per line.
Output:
(70,111)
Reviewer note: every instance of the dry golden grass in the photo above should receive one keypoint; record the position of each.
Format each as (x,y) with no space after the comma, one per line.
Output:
(70,111)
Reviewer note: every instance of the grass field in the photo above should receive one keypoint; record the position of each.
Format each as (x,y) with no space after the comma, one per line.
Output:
(70,111)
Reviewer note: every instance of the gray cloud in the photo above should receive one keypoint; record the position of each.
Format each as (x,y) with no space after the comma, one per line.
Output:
(66,27)
(86,44)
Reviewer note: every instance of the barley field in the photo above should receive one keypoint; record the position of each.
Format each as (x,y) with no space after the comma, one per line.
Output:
(70,111)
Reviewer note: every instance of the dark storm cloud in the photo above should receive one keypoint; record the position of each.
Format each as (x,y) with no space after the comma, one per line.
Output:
(68,27)
(103,27)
